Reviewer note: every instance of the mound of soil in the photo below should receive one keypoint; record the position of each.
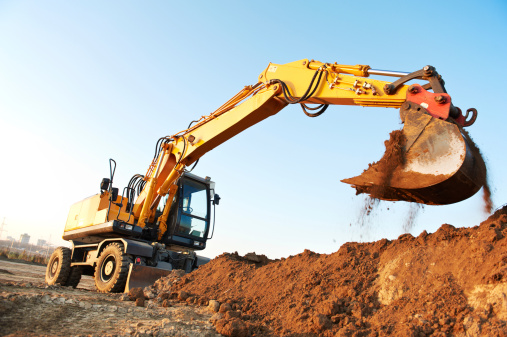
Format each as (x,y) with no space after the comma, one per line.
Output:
(452,282)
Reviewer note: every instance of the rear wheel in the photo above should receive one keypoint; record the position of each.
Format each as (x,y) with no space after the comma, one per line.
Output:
(74,277)
(112,269)
(58,268)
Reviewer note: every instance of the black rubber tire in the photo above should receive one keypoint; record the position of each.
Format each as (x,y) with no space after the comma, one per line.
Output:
(112,269)
(58,268)
(74,277)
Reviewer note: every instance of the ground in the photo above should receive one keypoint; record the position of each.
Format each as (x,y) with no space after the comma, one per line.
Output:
(30,308)
(449,283)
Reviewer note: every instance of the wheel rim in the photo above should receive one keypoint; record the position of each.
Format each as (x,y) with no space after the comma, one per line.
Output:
(108,268)
(54,268)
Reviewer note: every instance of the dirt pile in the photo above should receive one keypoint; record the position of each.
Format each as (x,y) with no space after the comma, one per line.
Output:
(452,282)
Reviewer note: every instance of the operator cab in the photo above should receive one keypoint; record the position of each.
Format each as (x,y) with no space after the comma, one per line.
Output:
(188,223)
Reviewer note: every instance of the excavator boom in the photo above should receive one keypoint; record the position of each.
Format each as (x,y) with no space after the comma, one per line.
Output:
(437,161)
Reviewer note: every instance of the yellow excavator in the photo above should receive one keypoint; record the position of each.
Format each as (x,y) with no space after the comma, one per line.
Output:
(163,217)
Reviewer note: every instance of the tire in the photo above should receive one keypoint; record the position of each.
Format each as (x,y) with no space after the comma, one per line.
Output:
(58,268)
(112,269)
(74,277)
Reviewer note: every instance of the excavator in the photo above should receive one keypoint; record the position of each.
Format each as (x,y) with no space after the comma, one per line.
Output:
(161,219)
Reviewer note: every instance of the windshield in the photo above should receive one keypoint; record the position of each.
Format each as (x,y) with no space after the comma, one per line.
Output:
(194,209)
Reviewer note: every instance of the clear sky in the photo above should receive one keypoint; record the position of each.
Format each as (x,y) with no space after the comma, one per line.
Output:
(85,81)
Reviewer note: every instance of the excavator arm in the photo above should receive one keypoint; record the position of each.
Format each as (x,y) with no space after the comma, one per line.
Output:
(438,163)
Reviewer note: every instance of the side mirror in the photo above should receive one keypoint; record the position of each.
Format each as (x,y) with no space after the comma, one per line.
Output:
(216,200)
(104,185)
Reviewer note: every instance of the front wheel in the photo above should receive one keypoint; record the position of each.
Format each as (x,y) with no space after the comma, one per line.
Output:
(112,269)
(58,268)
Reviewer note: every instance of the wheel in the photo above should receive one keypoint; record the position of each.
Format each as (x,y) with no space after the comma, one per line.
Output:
(74,277)
(58,268)
(112,269)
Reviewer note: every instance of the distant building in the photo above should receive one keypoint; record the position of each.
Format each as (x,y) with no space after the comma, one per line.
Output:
(10,238)
(41,242)
(24,238)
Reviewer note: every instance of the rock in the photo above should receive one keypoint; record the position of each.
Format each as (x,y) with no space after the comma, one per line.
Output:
(183,295)
(59,300)
(252,257)
(164,295)
(179,272)
(329,308)
(216,317)
(472,326)
(148,293)
(232,314)
(136,293)
(232,328)
(166,303)
(224,307)
(124,297)
(321,322)
(140,302)
(69,301)
(202,301)
(213,305)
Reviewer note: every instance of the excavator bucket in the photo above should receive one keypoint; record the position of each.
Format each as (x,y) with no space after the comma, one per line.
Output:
(430,161)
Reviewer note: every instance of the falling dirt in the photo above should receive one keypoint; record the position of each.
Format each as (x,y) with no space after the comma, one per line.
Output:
(449,283)
(394,156)
(486,190)
(413,212)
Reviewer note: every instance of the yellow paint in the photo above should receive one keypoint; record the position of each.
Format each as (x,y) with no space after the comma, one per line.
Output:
(92,211)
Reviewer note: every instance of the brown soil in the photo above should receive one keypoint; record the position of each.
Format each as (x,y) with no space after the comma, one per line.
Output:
(486,190)
(393,157)
(449,283)
(377,179)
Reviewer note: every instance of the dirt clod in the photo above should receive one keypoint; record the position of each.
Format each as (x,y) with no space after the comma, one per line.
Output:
(136,293)
(233,328)
(140,301)
(214,306)
(224,307)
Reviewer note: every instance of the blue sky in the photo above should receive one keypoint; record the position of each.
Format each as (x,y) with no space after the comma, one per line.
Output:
(84,81)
